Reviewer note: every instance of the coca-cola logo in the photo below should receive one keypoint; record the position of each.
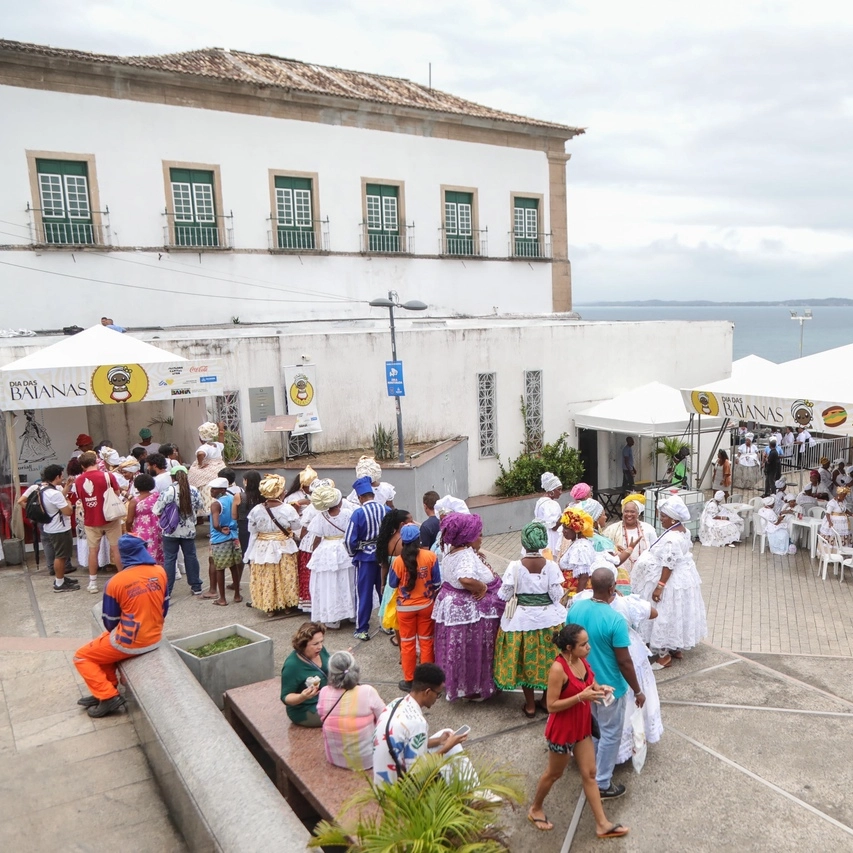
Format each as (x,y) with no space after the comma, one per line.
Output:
(202,369)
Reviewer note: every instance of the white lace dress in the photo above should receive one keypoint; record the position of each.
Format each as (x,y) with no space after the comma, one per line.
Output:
(332,570)
(717,532)
(548,511)
(682,620)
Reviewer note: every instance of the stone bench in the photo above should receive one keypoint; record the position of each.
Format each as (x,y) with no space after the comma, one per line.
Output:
(293,756)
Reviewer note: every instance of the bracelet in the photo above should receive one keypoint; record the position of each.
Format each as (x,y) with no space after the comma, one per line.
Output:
(661,583)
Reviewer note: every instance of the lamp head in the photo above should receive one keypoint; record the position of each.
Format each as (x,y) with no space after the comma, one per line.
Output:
(382,303)
(415,305)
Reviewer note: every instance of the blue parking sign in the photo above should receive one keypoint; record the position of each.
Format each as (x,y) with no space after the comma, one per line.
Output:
(394,378)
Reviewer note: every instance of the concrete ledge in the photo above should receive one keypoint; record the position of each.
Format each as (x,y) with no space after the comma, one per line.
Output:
(506,515)
(218,795)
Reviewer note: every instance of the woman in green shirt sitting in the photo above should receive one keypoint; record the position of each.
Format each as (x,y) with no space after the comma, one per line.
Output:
(304,672)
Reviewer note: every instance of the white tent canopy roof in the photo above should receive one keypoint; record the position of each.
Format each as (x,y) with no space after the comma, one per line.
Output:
(650,410)
(96,345)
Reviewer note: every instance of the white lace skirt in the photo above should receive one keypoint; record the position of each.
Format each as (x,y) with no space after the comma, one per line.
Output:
(651,710)
(716,533)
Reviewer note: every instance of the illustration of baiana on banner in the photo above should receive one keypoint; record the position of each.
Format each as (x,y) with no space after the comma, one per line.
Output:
(300,391)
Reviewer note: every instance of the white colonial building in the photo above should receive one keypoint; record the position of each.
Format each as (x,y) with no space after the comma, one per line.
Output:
(248,208)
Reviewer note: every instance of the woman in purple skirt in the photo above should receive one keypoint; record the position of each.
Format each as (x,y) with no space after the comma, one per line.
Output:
(467,611)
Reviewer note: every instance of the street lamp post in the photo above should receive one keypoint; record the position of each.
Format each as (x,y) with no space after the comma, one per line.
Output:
(392,302)
(806,315)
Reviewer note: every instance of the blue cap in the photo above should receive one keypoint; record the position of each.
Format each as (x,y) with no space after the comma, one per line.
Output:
(133,552)
(410,532)
(363,486)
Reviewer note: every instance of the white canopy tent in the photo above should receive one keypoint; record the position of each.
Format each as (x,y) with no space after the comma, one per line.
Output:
(815,391)
(651,410)
(99,366)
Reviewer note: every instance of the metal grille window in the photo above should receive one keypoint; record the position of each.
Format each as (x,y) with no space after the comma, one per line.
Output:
(487,413)
(534,425)
(294,213)
(65,208)
(227,410)
(383,225)
(298,445)
(193,208)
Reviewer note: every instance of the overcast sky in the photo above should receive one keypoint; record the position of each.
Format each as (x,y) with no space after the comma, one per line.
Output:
(717,159)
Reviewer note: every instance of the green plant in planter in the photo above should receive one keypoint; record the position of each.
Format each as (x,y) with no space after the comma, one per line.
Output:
(522,476)
(423,813)
(232,450)
(383,442)
(160,422)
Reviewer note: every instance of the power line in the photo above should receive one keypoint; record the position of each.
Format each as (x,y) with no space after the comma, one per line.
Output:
(166,292)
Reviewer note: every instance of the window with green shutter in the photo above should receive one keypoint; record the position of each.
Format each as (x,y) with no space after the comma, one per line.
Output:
(294,213)
(383,219)
(458,223)
(525,227)
(194,208)
(66,210)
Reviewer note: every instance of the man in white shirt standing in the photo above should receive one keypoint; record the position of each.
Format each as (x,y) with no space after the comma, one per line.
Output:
(788,442)
(160,471)
(53,494)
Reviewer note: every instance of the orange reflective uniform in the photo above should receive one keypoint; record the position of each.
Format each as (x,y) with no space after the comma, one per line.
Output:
(136,602)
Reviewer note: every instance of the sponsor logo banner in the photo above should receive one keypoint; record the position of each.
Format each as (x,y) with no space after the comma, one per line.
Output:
(300,393)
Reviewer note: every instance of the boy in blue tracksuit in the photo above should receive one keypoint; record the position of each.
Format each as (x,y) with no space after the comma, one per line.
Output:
(360,541)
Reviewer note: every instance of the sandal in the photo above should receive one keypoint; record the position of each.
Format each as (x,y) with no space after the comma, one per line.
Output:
(547,827)
(393,640)
(615,831)
(529,714)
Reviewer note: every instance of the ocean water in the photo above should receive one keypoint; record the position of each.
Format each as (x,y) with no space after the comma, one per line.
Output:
(768,332)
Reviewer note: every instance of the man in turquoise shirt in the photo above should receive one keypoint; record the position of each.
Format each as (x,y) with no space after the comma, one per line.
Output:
(611,662)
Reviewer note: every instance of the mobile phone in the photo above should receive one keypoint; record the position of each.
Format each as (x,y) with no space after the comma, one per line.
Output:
(462,731)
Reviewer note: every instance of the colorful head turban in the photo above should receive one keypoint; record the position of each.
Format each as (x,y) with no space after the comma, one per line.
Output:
(208,431)
(841,492)
(534,536)
(675,508)
(272,487)
(458,529)
(579,521)
(448,504)
(306,477)
(638,499)
(824,460)
(367,466)
(326,481)
(550,482)
(581,491)
(325,497)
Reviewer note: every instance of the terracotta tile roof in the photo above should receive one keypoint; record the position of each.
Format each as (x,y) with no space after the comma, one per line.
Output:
(290,75)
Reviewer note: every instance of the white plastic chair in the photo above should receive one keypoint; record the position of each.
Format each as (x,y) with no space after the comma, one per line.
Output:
(756,503)
(736,499)
(816,512)
(827,553)
(759,531)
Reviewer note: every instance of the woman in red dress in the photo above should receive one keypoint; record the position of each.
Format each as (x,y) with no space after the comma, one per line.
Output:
(571,688)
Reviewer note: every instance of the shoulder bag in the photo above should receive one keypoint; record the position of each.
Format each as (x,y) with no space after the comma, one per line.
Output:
(114,507)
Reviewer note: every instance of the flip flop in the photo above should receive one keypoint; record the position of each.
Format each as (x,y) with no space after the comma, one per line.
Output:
(221,603)
(529,714)
(656,666)
(393,640)
(210,595)
(615,831)
(544,820)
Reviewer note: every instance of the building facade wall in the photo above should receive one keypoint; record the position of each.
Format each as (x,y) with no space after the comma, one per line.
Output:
(128,143)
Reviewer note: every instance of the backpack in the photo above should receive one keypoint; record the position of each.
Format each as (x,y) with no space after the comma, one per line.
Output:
(34,508)
(170,517)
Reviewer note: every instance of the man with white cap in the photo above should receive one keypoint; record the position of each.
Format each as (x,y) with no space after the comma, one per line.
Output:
(549,511)
(360,541)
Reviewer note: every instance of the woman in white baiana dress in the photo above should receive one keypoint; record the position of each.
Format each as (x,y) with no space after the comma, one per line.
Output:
(548,511)
(719,526)
(775,527)
(635,610)
(332,570)
(666,576)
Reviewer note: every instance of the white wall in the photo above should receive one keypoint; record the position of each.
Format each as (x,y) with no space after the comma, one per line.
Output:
(441,363)
(130,139)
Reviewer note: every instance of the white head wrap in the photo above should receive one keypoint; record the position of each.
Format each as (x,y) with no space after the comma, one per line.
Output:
(719,496)
(750,436)
(110,456)
(208,431)
(781,483)
(367,466)
(326,481)
(604,561)
(448,504)
(674,507)
(769,501)
(129,465)
(550,482)
(325,497)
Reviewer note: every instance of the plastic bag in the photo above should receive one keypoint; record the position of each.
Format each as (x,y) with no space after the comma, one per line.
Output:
(638,759)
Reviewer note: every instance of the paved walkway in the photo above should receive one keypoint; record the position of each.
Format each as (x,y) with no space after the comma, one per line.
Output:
(68,782)
(752,758)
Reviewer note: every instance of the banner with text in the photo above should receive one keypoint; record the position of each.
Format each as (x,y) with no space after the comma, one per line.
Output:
(107,384)
(300,391)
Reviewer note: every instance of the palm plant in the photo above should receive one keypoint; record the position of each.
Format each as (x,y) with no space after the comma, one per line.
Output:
(424,812)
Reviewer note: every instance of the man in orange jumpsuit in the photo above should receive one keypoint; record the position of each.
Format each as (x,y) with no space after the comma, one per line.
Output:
(136,601)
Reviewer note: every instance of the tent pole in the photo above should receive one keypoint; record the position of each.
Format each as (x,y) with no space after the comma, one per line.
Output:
(16,522)
(719,438)
(699,449)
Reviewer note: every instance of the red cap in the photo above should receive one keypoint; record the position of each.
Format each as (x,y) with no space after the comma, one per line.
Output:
(83,439)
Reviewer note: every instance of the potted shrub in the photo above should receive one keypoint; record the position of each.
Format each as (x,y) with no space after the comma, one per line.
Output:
(226,658)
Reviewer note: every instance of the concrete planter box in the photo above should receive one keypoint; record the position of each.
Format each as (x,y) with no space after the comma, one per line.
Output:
(226,670)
